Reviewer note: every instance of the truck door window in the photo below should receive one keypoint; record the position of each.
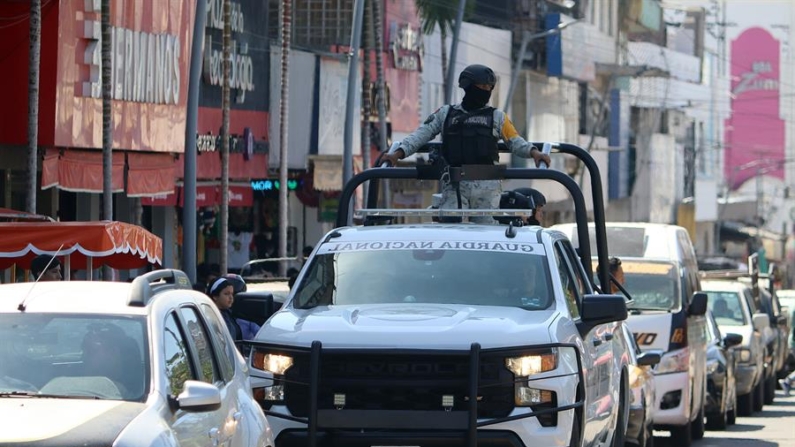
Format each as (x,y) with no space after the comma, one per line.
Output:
(568,283)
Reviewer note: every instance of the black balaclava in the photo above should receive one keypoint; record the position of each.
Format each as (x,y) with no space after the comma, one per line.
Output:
(475,98)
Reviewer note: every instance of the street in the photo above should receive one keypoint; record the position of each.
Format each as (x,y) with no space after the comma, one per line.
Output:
(773,427)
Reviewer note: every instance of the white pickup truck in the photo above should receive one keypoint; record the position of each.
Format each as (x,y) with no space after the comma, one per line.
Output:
(443,334)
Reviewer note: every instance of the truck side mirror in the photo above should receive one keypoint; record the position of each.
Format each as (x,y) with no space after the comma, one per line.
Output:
(761,321)
(698,305)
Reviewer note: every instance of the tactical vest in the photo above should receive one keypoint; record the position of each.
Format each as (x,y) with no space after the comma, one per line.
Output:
(468,137)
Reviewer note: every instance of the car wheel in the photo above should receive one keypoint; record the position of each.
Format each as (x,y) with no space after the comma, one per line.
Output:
(759,395)
(770,389)
(745,403)
(620,432)
(718,421)
(698,424)
(731,414)
(682,436)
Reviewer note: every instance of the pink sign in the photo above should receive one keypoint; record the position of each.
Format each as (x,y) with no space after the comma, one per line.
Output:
(754,140)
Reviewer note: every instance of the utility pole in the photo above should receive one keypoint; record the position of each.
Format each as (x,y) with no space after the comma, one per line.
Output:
(189,181)
(353,69)
(448,93)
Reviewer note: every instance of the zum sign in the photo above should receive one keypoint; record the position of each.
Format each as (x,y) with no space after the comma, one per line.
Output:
(643,338)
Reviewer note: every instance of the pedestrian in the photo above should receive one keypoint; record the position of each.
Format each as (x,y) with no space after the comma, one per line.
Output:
(46,268)
(523,198)
(470,132)
(222,292)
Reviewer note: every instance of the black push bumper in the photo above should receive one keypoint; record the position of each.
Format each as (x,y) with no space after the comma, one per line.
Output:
(369,427)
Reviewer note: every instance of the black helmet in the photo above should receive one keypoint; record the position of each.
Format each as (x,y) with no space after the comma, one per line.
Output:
(476,74)
(538,198)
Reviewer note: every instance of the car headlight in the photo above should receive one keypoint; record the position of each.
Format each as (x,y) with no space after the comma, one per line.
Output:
(674,361)
(743,355)
(274,363)
(532,364)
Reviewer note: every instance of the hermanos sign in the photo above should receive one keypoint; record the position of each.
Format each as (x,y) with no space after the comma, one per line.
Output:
(145,67)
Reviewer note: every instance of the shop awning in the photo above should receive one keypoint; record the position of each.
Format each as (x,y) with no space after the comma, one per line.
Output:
(120,245)
(150,174)
(210,195)
(80,171)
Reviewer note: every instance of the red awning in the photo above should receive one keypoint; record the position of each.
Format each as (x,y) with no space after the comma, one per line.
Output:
(150,174)
(161,199)
(120,245)
(210,195)
(208,166)
(80,171)
(206,195)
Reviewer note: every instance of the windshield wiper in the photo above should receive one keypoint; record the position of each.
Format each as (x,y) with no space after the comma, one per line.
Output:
(45,396)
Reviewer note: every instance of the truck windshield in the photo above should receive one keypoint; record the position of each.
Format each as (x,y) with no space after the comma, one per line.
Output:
(727,308)
(653,285)
(469,273)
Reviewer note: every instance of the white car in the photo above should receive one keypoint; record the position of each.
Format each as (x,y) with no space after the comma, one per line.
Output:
(117,364)
(433,334)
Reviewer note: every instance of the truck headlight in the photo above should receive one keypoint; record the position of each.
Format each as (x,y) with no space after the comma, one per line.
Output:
(674,361)
(532,364)
(273,363)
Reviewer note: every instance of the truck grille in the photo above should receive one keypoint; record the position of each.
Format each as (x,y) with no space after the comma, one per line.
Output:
(400,382)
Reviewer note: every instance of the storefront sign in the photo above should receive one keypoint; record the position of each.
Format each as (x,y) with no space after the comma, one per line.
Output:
(244,144)
(406,45)
(273,185)
(241,77)
(754,130)
(145,67)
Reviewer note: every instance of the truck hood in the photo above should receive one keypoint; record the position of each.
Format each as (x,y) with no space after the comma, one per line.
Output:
(407,326)
(33,422)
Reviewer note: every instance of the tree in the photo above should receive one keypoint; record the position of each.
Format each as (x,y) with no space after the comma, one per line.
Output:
(33,103)
(441,14)
(225,110)
(286,28)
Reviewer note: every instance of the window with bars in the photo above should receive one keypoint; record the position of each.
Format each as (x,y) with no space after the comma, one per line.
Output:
(317,24)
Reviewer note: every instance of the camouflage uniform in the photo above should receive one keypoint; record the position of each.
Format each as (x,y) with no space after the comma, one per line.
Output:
(475,194)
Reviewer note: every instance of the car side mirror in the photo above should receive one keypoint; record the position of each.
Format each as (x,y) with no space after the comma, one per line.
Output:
(761,321)
(732,340)
(649,358)
(199,397)
(601,309)
(698,305)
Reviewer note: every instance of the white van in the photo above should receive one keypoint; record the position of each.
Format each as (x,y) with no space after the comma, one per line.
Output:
(666,315)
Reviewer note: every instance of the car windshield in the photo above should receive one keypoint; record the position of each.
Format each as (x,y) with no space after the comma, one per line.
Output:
(88,356)
(652,285)
(726,307)
(470,273)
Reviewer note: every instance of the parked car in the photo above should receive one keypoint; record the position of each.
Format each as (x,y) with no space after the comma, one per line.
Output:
(641,382)
(661,274)
(721,407)
(110,363)
(733,308)
(787,299)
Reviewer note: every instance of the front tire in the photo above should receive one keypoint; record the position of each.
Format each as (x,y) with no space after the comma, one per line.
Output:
(682,436)
(698,424)
(620,433)
(770,389)
(759,394)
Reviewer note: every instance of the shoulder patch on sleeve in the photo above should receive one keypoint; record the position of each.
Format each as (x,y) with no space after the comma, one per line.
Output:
(431,117)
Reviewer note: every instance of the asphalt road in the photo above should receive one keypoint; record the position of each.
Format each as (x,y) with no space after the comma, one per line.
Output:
(773,427)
